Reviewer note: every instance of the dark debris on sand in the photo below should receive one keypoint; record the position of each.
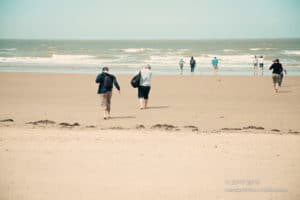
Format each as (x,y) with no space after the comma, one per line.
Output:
(42,122)
(7,120)
(117,128)
(140,126)
(275,130)
(254,127)
(293,132)
(193,128)
(65,124)
(167,127)
(231,129)
(90,126)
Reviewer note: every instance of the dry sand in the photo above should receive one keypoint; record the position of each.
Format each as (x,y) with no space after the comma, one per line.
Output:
(207,152)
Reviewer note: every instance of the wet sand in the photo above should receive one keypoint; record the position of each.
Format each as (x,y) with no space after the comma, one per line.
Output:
(205,102)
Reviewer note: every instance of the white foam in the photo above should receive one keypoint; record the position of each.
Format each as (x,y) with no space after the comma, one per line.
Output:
(136,50)
(236,58)
(164,60)
(255,49)
(292,52)
(202,60)
(259,49)
(56,59)
(229,50)
(9,49)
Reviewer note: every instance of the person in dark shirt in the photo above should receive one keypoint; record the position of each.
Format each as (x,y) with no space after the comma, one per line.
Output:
(284,72)
(106,82)
(277,70)
(193,64)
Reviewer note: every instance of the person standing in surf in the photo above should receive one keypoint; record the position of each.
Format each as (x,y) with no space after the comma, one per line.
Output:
(181,64)
(261,65)
(192,64)
(215,63)
(255,65)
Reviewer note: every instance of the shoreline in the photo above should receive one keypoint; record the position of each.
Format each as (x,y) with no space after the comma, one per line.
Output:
(204,71)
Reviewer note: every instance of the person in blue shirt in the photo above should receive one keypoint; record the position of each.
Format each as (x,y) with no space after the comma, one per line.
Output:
(106,82)
(215,63)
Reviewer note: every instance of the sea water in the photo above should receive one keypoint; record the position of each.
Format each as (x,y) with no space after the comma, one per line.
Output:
(127,56)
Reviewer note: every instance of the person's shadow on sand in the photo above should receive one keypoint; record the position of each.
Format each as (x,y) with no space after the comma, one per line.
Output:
(157,107)
(123,117)
(284,91)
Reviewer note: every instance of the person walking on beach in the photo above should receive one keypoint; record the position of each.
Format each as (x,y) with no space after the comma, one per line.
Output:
(144,86)
(215,63)
(284,72)
(193,64)
(106,82)
(255,66)
(261,65)
(277,70)
(181,64)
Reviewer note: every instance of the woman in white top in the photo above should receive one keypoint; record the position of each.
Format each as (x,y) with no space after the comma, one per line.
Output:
(144,86)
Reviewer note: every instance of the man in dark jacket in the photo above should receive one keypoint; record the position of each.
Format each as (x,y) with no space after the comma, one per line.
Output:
(277,70)
(193,64)
(106,82)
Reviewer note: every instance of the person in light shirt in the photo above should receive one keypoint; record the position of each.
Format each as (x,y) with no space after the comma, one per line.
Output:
(181,65)
(261,65)
(255,65)
(144,86)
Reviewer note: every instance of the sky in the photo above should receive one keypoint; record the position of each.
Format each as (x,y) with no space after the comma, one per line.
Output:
(149,19)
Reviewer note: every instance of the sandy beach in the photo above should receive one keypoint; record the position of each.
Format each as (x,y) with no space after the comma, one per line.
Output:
(202,137)
(204,101)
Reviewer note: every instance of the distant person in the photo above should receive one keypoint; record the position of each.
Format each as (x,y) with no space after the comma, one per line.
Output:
(261,65)
(255,65)
(181,65)
(106,82)
(284,72)
(215,63)
(192,64)
(277,70)
(144,86)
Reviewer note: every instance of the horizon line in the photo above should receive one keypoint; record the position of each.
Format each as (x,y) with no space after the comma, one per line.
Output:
(151,39)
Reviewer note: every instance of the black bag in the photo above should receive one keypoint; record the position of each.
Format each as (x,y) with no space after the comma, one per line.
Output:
(108,81)
(135,81)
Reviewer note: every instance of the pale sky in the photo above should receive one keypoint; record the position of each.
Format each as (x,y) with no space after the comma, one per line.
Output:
(149,19)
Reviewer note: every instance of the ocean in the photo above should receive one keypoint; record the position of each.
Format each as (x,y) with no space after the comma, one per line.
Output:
(127,56)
